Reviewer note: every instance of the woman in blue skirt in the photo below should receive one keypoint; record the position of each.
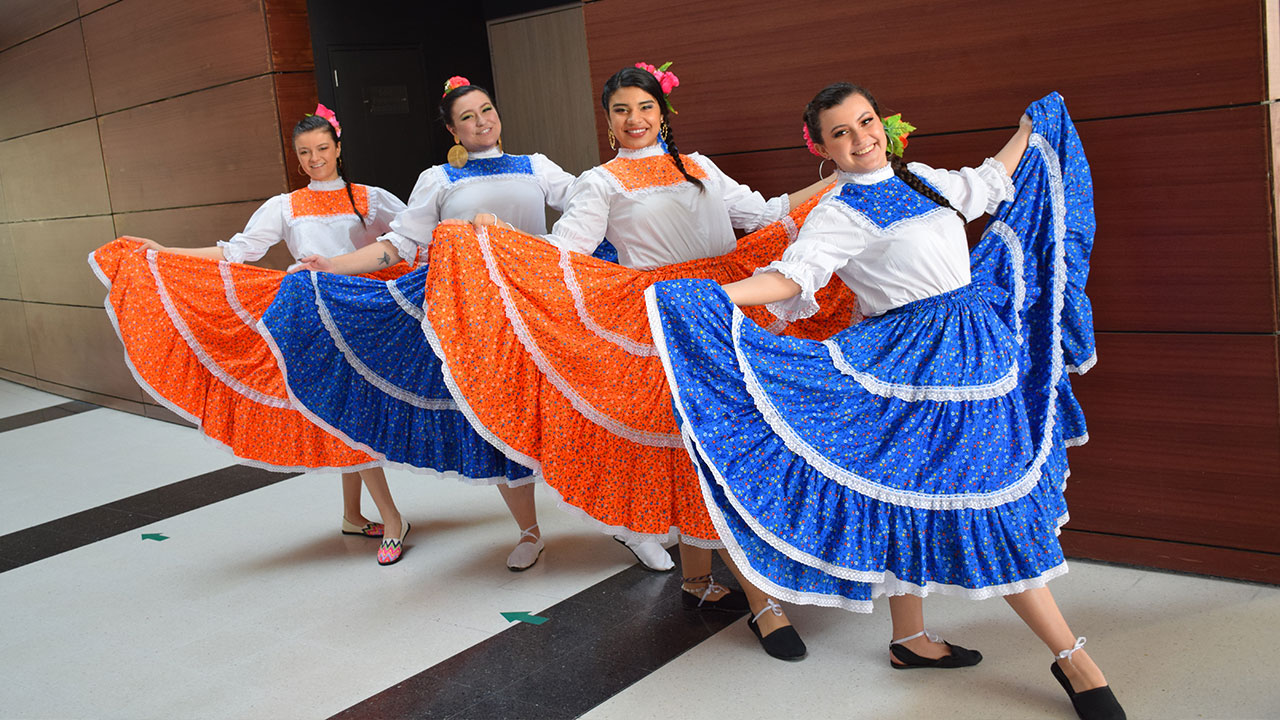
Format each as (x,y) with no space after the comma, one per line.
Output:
(922,449)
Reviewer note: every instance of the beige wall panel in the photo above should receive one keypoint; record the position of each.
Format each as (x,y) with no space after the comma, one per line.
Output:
(10,289)
(546,112)
(76,346)
(23,19)
(146,50)
(44,82)
(187,227)
(19,378)
(55,173)
(15,347)
(52,259)
(108,401)
(215,146)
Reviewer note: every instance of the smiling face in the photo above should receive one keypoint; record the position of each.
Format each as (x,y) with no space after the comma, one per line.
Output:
(635,117)
(853,136)
(318,154)
(475,122)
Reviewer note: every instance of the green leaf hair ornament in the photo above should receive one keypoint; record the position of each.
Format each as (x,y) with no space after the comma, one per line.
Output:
(896,131)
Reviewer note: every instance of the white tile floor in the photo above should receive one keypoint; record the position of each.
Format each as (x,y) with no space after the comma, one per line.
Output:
(257,607)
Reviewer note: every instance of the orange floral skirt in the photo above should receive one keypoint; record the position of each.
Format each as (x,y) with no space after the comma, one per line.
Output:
(548,353)
(188,326)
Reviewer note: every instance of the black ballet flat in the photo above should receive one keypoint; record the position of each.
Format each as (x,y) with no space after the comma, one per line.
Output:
(730,602)
(783,643)
(907,660)
(1096,704)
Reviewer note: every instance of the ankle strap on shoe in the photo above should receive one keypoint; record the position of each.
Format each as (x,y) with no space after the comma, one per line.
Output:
(1066,654)
(922,633)
(711,588)
(769,605)
(528,532)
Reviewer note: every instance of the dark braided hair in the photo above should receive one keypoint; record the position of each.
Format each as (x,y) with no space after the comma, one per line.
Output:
(315,122)
(643,79)
(446,103)
(836,93)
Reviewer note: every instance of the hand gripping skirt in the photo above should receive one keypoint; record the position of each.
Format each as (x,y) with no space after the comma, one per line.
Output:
(356,361)
(920,451)
(549,354)
(188,329)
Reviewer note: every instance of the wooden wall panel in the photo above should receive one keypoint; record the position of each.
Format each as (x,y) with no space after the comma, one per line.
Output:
(289,35)
(10,286)
(76,346)
(215,146)
(24,19)
(88,6)
(550,113)
(51,259)
(1185,440)
(1184,557)
(45,82)
(295,97)
(55,173)
(15,348)
(749,67)
(187,227)
(145,50)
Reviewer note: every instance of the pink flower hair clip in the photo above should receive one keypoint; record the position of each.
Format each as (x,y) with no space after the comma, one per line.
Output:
(667,80)
(454,83)
(329,115)
(808,142)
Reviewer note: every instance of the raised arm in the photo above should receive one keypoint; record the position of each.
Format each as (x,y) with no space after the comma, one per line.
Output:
(367,259)
(1012,152)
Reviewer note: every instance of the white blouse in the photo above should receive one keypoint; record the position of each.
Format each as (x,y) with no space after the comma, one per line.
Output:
(888,243)
(331,234)
(516,188)
(656,225)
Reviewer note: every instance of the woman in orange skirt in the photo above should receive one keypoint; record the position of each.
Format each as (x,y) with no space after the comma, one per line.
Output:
(549,353)
(187,318)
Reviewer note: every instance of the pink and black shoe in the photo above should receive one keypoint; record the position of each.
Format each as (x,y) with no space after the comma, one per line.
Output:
(373,530)
(391,549)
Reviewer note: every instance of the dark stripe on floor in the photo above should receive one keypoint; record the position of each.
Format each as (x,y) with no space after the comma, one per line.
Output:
(53,412)
(136,511)
(594,645)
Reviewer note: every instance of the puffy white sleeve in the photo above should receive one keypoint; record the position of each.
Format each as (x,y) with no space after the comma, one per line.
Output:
(586,215)
(555,182)
(748,210)
(973,191)
(826,243)
(383,209)
(266,227)
(412,226)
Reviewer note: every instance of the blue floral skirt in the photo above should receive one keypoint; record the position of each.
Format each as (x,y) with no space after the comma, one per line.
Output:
(923,450)
(356,360)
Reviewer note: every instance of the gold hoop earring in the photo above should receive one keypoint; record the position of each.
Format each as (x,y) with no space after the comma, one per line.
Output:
(457,154)
(613,142)
(824,162)
(301,170)
(500,144)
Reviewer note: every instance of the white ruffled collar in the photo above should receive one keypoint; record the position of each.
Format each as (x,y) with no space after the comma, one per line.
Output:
(335,184)
(492,152)
(867,178)
(653,150)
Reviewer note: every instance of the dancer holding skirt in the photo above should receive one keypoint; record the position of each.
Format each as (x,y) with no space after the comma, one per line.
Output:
(923,449)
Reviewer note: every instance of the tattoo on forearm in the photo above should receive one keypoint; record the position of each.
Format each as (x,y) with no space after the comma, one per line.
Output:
(386,259)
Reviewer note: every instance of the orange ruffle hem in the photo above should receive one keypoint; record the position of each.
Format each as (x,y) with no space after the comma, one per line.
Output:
(188,326)
(549,354)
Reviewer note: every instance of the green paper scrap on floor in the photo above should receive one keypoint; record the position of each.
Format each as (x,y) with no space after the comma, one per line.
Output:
(154,536)
(525,617)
